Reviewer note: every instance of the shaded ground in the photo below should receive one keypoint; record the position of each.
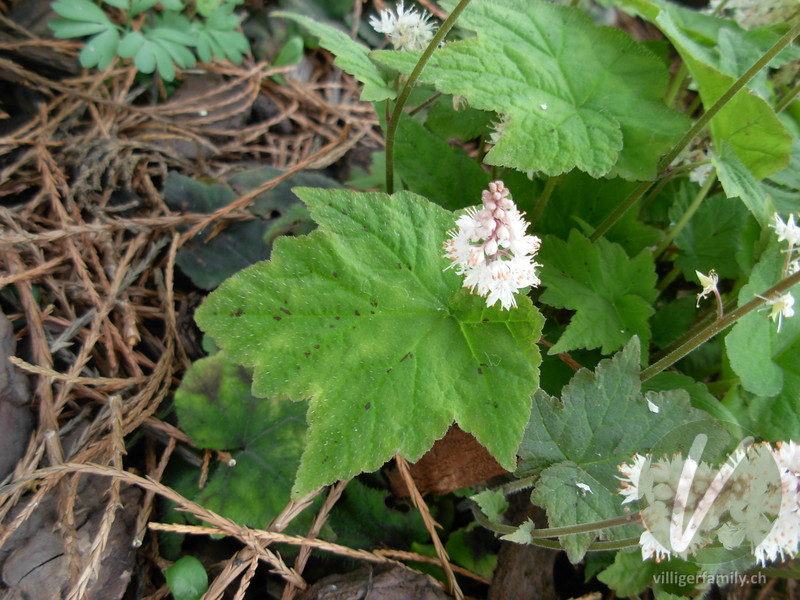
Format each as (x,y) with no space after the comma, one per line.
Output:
(99,319)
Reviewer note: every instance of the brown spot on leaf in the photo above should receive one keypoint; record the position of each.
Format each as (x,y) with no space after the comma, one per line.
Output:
(285,311)
(316,346)
(239,312)
(368,405)
(277,318)
(358,314)
(408,355)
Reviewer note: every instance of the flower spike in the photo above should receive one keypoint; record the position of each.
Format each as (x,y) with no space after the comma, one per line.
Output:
(491,249)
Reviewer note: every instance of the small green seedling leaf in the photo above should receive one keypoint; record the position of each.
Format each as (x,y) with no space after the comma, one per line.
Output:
(314,323)
(187,579)
(573,94)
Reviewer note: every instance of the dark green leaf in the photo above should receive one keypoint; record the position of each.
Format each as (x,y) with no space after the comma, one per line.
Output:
(264,436)
(432,168)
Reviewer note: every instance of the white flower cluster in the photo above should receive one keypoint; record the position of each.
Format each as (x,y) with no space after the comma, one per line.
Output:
(407,29)
(753,499)
(491,249)
(782,307)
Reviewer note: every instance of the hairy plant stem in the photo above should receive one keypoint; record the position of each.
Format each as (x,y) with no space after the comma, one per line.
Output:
(549,532)
(541,202)
(698,200)
(788,98)
(696,128)
(701,334)
(391,125)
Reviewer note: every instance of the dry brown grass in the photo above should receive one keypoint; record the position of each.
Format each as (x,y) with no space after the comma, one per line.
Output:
(87,259)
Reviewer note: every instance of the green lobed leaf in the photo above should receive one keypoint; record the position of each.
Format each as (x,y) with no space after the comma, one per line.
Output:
(629,575)
(431,167)
(611,293)
(575,95)
(187,578)
(264,436)
(759,354)
(351,57)
(360,317)
(601,420)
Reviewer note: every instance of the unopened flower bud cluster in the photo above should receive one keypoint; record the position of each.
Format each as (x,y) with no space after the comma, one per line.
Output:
(491,249)
(753,500)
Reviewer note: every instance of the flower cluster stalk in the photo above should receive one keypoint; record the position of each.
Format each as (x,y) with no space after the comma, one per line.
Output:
(702,334)
(394,120)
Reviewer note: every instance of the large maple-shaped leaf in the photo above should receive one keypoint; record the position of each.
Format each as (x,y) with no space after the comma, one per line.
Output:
(360,317)
(611,293)
(601,421)
(575,95)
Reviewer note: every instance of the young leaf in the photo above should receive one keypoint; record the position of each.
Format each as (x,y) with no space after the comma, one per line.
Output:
(265,438)
(575,95)
(351,57)
(360,317)
(601,421)
(611,292)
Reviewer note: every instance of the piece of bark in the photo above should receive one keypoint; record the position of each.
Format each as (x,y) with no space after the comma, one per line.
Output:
(15,414)
(455,461)
(384,582)
(524,572)
(34,563)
